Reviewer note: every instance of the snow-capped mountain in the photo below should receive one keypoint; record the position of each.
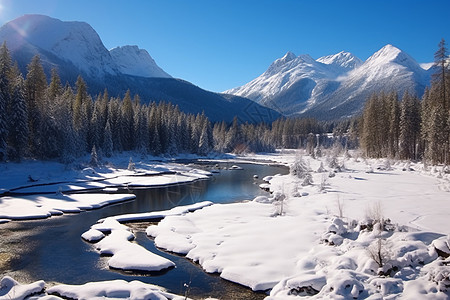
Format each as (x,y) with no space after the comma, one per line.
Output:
(292,84)
(389,69)
(76,43)
(134,61)
(74,48)
(343,61)
(73,42)
(333,86)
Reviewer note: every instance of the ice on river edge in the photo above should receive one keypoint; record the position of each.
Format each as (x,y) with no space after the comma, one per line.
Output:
(113,238)
(51,186)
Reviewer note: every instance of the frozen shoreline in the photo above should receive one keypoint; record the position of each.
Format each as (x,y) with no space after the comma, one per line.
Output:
(34,189)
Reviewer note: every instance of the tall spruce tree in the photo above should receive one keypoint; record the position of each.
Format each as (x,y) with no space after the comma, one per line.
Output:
(441,62)
(394,121)
(35,88)
(18,126)
(5,97)
(55,87)
(107,145)
(127,122)
(80,98)
(409,126)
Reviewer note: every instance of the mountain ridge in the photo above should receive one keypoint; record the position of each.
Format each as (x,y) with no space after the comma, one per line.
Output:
(325,88)
(74,48)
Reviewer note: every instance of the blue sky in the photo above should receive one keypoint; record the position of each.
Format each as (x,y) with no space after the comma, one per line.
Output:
(218,45)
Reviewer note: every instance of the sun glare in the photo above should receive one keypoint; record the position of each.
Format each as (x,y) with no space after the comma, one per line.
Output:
(4,11)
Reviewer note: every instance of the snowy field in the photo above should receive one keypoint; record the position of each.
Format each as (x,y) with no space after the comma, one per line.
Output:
(343,228)
(363,229)
(33,189)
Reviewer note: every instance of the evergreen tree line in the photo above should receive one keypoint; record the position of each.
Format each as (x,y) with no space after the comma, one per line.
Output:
(48,121)
(289,133)
(410,128)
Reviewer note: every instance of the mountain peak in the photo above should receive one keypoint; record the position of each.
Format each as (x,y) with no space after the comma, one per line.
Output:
(74,42)
(390,54)
(288,56)
(132,60)
(387,53)
(344,60)
(274,67)
(78,44)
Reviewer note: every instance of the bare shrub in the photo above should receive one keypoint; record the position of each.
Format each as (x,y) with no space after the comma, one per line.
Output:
(340,207)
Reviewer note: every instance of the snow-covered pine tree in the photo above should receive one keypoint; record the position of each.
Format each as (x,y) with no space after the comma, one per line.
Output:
(409,126)
(96,125)
(131,165)
(35,88)
(394,121)
(141,130)
(440,85)
(63,117)
(233,137)
(203,144)
(18,126)
(55,87)
(94,158)
(80,98)
(107,145)
(5,95)
(127,122)
(114,117)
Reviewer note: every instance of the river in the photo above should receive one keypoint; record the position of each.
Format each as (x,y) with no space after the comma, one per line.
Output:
(52,249)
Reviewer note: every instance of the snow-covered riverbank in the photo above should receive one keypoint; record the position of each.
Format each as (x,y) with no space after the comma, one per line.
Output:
(34,189)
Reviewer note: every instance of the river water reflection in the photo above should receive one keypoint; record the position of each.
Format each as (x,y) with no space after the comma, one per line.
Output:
(52,249)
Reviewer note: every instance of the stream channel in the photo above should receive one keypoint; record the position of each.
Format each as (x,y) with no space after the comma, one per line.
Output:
(52,249)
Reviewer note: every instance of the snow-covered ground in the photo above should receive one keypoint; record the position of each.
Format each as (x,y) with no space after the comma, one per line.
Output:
(324,239)
(35,189)
(350,228)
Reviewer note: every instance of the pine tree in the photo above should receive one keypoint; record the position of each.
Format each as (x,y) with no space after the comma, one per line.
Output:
(409,126)
(127,122)
(5,97)
(394,121)
(441,64)
(369,123)
(55,87)
(107,140)
(18,126)
(141,129)
(233,137)
(435,151)
(35,88)
(80,98)
(440,79)
(3,128)
(63,117)
(94,158)
(203,145)
(96,125)
(114,118)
